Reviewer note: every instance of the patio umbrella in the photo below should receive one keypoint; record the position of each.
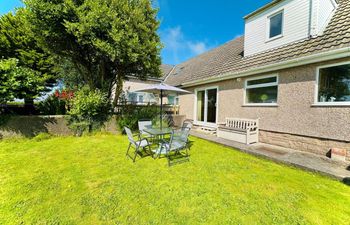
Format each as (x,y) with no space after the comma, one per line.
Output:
(162,89)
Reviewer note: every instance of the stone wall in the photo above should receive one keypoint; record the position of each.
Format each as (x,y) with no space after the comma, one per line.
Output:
(302,143)
(30,126)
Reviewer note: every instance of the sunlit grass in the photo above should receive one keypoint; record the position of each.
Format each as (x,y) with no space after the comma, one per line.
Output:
(89,180)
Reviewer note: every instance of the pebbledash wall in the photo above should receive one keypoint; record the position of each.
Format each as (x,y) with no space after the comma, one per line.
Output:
(295,122)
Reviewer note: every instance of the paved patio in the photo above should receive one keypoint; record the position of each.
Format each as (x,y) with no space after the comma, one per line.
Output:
(304,160)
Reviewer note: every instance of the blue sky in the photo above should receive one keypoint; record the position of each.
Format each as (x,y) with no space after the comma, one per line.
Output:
(191,27)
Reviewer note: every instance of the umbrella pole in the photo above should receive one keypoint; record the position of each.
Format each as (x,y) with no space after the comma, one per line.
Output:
(161,109)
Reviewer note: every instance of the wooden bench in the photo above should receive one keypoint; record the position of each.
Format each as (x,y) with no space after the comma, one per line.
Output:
(240,130)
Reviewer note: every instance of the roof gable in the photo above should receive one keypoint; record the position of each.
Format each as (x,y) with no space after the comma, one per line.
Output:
(228,58)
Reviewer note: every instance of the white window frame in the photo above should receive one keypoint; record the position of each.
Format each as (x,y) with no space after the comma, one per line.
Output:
(272,84)
(316,102)
(268,30)
(139,98)
(177,100)
(204,123)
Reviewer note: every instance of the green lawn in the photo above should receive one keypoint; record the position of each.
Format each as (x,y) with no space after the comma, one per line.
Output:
(89,180)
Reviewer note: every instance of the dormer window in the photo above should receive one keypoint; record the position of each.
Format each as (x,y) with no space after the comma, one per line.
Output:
(275,25)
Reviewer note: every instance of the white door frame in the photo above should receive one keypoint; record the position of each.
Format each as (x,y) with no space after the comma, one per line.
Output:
(205,123)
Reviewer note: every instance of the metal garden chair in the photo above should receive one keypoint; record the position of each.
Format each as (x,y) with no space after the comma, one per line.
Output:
(144,124)
(178,142)
(138,145)
(186,125)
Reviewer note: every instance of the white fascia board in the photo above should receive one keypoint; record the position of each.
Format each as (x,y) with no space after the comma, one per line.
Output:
(320,57)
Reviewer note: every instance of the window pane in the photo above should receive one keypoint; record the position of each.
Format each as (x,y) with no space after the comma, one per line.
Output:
(132,97)
(262,81)
(200,105)
(177,101)
(211,111)
(276,25)
(140,98)
(262,95)
(334,84)
(171,100)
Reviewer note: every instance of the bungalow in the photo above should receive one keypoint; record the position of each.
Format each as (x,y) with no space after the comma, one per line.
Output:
(290,70)
(141,98)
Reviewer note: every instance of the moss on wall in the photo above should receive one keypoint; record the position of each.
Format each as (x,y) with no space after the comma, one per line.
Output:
(30,126)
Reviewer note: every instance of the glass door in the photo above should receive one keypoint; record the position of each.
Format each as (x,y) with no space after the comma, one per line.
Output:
(206,106)
(211,105)
(200,106)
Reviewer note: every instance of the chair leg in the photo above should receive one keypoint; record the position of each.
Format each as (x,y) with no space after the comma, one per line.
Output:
(136,151)
(168,157)
(127,151)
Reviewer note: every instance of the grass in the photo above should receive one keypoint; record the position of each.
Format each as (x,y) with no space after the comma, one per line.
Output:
(89,180)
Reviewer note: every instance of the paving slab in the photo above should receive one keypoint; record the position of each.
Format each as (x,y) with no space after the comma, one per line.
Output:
(304,160)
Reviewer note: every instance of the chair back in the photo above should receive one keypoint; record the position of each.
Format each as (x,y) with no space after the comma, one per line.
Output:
(129,134)
(144,124)
(180,136)
(186,125)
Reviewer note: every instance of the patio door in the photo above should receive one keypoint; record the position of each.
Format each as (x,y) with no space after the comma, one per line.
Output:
(206,106)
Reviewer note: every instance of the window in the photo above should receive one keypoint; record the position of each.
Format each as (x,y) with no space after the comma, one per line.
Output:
(177,100)
(262,90)
(132,97)
(276,25)
(140,98)
(171,100)
(334,84)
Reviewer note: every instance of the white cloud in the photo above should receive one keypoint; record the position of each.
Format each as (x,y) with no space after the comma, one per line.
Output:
(198,47)
(179,47)
(172,40)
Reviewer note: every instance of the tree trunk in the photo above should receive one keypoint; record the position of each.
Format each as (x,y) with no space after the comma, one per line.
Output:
(118,89)
(29,106)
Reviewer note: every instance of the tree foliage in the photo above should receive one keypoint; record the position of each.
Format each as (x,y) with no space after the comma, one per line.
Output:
(18,44)
(104,40)
(18,81)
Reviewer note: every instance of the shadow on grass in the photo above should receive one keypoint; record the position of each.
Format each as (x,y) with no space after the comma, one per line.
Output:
(176,159)
(346,181)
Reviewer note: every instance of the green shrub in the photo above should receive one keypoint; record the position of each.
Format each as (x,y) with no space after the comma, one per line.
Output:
(52,106)
(131,114)
(89,110)
(42,137)
(79,127)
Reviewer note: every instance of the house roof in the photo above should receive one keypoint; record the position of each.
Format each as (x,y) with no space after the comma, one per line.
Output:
(229,58)
(263,8)
(166,69)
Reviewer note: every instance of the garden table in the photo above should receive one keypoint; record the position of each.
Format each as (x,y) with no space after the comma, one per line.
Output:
(159,134)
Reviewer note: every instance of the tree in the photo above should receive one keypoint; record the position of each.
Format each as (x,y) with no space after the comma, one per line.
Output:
(105,40)
(18,81)
(18,44)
